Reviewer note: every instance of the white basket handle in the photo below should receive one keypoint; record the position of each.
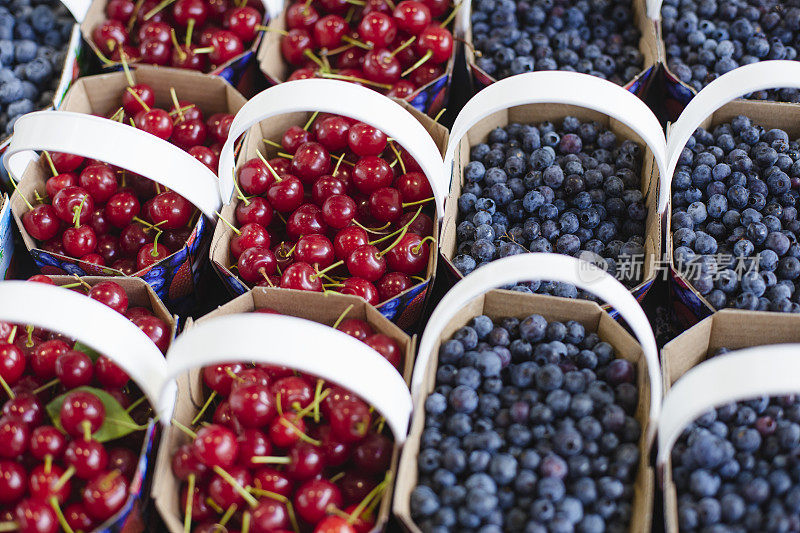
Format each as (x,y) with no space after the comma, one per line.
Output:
(654,9)
(551,267)
(101,139)
(751,372)
(735,84)
(341,98)
(556,87)
(78,8)
(95,325)
(297,343)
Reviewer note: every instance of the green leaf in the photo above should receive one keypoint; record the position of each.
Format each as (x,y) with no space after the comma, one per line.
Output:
(117,424)
(80,347)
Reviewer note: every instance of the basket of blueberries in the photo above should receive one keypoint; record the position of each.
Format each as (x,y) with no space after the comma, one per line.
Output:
(611,39)
(555,162)
(729,433)
(735,172)
(531,413)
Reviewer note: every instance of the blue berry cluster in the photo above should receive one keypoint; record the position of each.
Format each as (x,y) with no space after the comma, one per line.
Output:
(33,40)
(538,188)
(736,468)
(734,216)
(597,37)
(530,429)
(707,38)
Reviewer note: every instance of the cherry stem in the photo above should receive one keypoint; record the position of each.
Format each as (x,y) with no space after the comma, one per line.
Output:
(50,163)
(418,202)
(14,184)
(46,386)
(310,54)
(138,99)
(118,115)
(274,30)
(272,143)
(246,522)
(402,47)
(29,331)
(234,228)
(124,57)
(252,502)
(7,388)
(184,429)
(416,249)
(135,404)
(338,50)
(395,243)
(87,430)
(174,96)
(439,114)
(278,404)
(154,251)
(451,16)
(355,79)
(356,2)
(72,285)
(399,157)
(228,514)
(296,430)
(189,30)
(285,155)
(132,19)
(13,334)
(398,230)
(338,162)
(48,463)
(106,61)
(269,460)
(327,269)
(181,110)
(68,473)
(38,196)
(263,272)
(311,120)
(239,192)
(205,407)
(356,42)
(372,230)
(341,317)
(204,50)
(317,393)
(357,512)
(337,477)
(183,55)
(187,520)
(317,400)
(269,167)
(211,503)
(150,14)
(76,217)
(60,515)
(418,64)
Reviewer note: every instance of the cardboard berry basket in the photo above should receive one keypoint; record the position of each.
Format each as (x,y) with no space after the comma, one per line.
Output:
(76,316)
(174,278)
(474,296)
(271,112)
(698,387)
(648,47)
(429,98)
(92,13)
(718,103)
(550,96)
(6,236)
(294,343)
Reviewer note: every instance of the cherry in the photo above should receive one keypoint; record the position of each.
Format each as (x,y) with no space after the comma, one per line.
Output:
(252,405)
(301,16)
(392,284)
(184,463)
(355,486)
(305,462)
(14,437)
(338,211)
(412,16)
(385,204)
(252,443)
(43,483)
(409,255)
(402,89)
(74,369)
(121,208)
(200,508)
(206,156)
(294,45)
(302,74)
(104,495)
(256,262)
(136,312)
(294,392)
(312,499)
(219,124)
(109,374)
(154,52)
(377,28)
(256,211)
(26,407)
(286,430)
(361,287)
(58,182)
(156,329)
(44,356)
(79,241)
(437,41)
(366,262)
(100,223)
(293,138)
(151,30)
(79,410)
(315,249)
(254,177)
(66,162)
(120,10)
(77,517)
(324,187)
(421,224)
(35,516)
(110,294)
(67,202)
(215,445)
(170,210)
(347,240)
(305,220)
(329,30)
(223,493)
(365,140)
(133,238)
(145,93)
(110,34)
(437,7)
(381,66)
(149,255)
(371,173)
(242,21)
(188,133)
(310,162)
(335,6)
(12,363)
(249,236)
(13,482)
(47,440)
(269,516)
(352,58)
(189,111)
(332,132)
(42,222)
(220,377)
(217,10)
(38,278)
(425,74)
(224,417)
(284,254)
(286,195)
(124,460)
(227,45)
(273,480)
(356,328)
(350,420)
(413,187)
(185,10)
(126,266)
(156,121)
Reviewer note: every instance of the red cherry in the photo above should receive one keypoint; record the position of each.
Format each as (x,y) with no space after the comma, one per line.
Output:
(364,523)
(66,162)
(356,328)
(310,162)
(206,156)
(110,294)
(338,211)
(350,420)
(436,40)
(252,443)
(221,490)
(335,6)
(249,235)
(189,110)
(385,204)
(286,430)
(227,45)
(305,462)
(219,378)
(170,210)
(26,407)
(132,238)
(372,173)
(409,255)
(379,6)
(47,440)
(184,463)
(100,223)
(215,445)
(254,177)
(77,517)
(124,460)
(109,374)
(421,224)
(324,187)
(332,132)
(387,347)
(294,45)
(67,202)
(329,30)
(302,74)
(35,516)
(402,89)
(156,329)
(273,481)
(366,262)
(104,495)
(110,34)
(381,66)
(149,255)
(13,482)
(315,249)
(412,16)
(313,498)
(42,222)
(82,408)
(188,133)
(305,220)
(12,363)
(58,182)
(293,138)
(155,52)
(200,508)
(156,122)
(360,287)
(301,276)
(255,263)
(335,524)
(79,241)
(126,266)
(243,21)
(347,240)
(120,10)
(151,30)
(43,359)
(74,369)
(301,16)
(392,284)
(366,140)
(286,195)
(121,208)
(425,74)
(350,59)
(295,392)
(219,125)
(217,10)
(185,10)
(377,28)
(269,516)
(413,187)
(437,7)
(14,437)
(87,457)
(252,405)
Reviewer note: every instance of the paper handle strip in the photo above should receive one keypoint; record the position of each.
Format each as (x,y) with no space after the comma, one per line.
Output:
(552,267)
(78,8)
(302,345)
(734,84)
(94,324)
(341,98)
(748,373)
(117,144)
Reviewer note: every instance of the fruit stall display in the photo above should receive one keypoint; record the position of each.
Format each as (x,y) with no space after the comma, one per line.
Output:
(299,440)
(555,162)
(530,410)
(325,201)
(610,39)
(78,428)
